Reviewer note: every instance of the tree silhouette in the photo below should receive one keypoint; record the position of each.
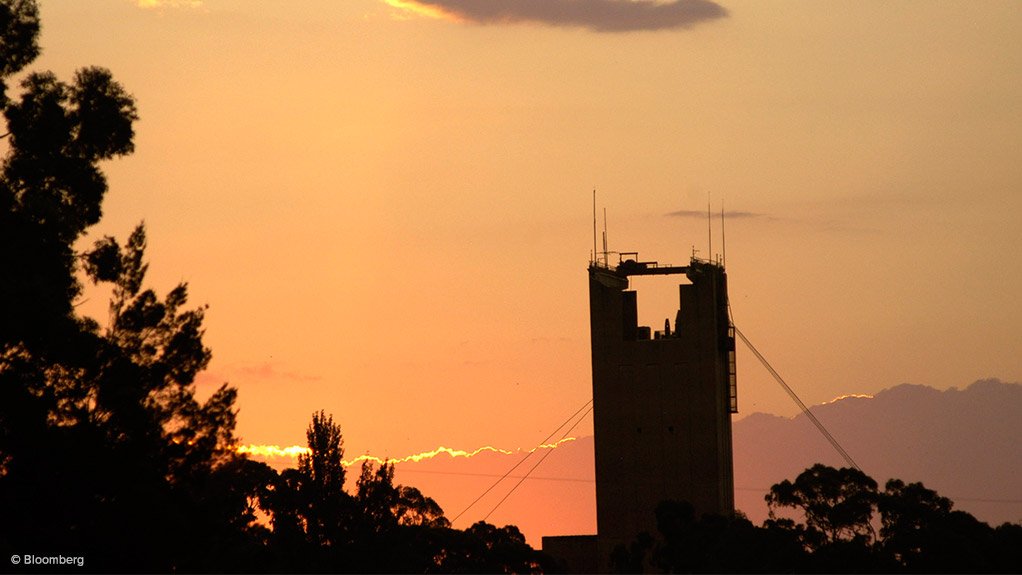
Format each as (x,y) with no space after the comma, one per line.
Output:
(923,533)
(685,543)
(104,449)
(920,533)
(19,28)
(906,512)
(838,503)
(326,508)
(51,187)
(381,526)
(385,505)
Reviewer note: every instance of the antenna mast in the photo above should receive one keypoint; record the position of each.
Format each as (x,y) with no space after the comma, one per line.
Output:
(723,239)
(606,254)
(595,253)
(709,230)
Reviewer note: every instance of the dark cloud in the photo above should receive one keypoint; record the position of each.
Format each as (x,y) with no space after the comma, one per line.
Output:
(599,15)
(735,215)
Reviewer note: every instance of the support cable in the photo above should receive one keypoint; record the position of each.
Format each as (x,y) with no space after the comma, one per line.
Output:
(522,460)
(802,406)
(541,459)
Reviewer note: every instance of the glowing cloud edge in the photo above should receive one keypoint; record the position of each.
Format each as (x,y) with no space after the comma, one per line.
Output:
(413,7)
(293,451)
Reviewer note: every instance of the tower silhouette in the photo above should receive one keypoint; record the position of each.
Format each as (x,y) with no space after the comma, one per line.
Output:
(662,405)
(662,400)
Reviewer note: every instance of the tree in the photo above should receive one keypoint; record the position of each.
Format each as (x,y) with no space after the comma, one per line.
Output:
(919,529)
(923,533)
(906,512)
(503,550)
(19,28)
(51,187)
(386,506)
(326,506)
(104,448)
(837,503)
(920,533)
(711,543)
(323,464)
(838,506)
(381,526)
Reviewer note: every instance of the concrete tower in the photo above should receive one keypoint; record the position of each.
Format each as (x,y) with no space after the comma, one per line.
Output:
(662,406)
(662,400)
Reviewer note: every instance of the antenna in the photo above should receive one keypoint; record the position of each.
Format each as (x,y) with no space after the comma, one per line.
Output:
(723,239)
(606,254)
(709,230)
(595,253)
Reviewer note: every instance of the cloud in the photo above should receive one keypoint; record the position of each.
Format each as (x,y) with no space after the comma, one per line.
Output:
(156,4)
(269,371)
(293,451)
(848,396)
(273,451)
(734,215)
(247,373)
(598,15)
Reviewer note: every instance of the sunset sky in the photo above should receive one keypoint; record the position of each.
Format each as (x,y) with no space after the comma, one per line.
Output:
(387,204)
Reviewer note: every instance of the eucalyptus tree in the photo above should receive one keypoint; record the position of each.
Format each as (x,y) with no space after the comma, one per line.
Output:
(105,450)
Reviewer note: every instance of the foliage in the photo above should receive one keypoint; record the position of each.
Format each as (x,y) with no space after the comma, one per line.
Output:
(105,449)
(19,28)
(908,513)
(920,532)
(323,503)
(710,543)
(381,526)
(837,503)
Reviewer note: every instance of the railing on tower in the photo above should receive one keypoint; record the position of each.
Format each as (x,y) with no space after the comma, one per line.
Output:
(732,377)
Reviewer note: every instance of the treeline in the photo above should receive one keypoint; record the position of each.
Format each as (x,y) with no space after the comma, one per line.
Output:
(840,522)
(314,524)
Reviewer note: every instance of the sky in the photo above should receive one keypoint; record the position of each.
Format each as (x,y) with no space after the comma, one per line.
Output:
(387,204)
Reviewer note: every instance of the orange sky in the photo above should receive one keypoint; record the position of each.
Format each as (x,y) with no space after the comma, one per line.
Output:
(389,214)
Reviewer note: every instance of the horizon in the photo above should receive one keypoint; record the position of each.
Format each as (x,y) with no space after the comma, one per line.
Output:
(559,480)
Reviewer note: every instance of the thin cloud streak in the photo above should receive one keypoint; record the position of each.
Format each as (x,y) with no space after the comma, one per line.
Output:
(249,373)
(269,371)
(735,215)
(597,15)
(157,4)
